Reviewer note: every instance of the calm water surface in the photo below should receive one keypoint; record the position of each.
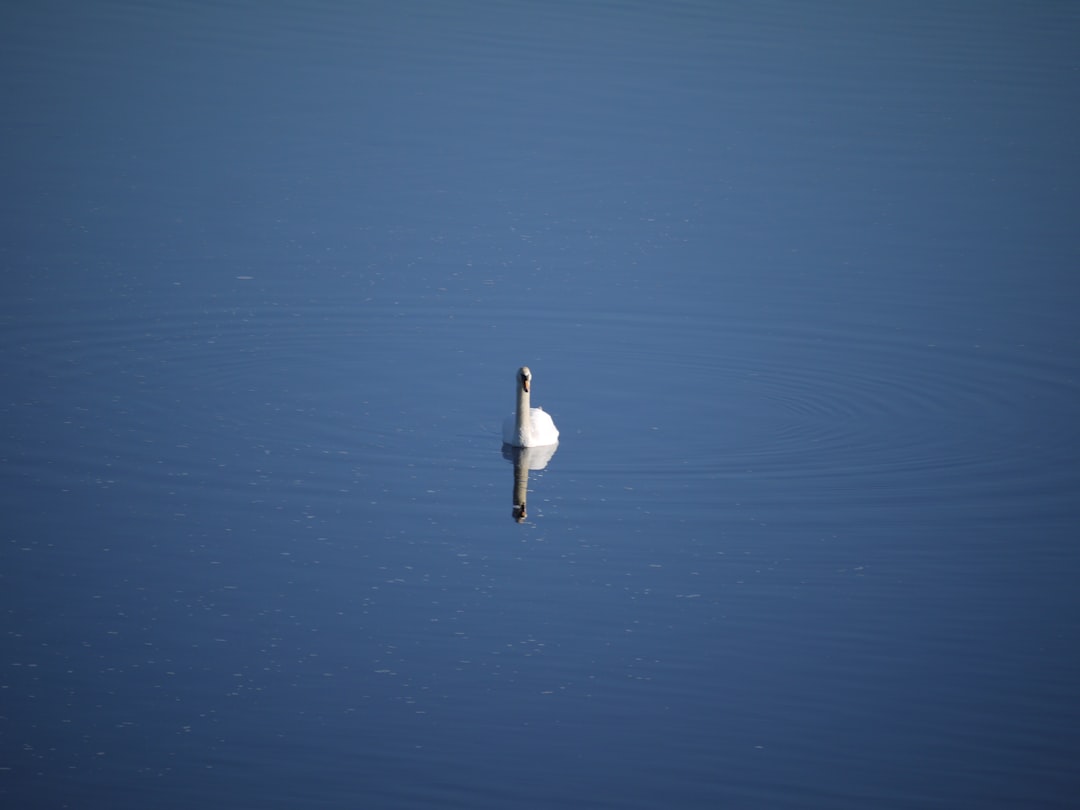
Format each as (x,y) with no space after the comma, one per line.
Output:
(797,286)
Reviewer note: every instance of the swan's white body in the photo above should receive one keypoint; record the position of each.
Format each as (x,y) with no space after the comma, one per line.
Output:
(528,427)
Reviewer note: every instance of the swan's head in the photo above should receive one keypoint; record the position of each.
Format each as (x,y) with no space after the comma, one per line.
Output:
(524,375)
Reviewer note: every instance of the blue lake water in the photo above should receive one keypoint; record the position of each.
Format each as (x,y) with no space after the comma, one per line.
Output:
(797,283)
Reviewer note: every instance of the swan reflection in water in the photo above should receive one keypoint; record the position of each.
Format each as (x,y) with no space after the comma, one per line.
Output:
(525,459)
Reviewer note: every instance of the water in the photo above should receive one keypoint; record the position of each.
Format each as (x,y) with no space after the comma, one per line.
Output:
(796,286)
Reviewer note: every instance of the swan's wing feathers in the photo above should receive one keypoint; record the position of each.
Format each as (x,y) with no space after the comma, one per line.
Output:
(543,427)
(509,430)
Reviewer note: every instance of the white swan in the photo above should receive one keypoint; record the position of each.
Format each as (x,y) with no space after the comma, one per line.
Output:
(528,427)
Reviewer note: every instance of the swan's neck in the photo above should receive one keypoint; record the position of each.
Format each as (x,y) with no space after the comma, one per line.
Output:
(522,421)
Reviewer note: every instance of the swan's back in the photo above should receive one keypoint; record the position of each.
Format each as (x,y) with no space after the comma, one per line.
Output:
(543,430)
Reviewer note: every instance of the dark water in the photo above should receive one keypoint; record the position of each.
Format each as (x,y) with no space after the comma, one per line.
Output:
(797,283)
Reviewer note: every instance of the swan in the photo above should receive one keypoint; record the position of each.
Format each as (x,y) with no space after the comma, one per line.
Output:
(528,427)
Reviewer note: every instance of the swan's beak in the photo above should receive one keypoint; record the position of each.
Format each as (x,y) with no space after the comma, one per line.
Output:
(525,382)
